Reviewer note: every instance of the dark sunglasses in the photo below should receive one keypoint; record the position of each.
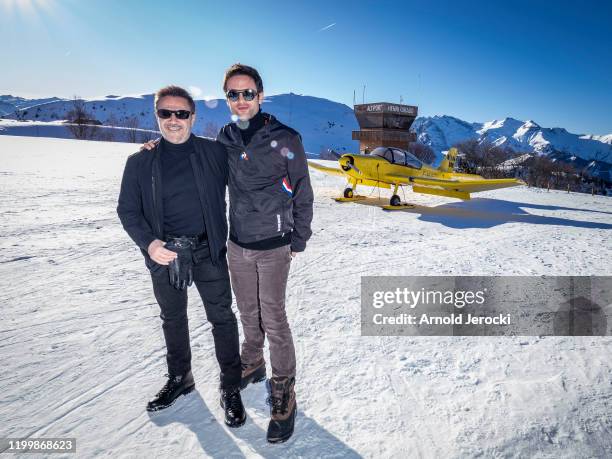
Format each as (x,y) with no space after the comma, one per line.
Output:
(247,94)
(180,114)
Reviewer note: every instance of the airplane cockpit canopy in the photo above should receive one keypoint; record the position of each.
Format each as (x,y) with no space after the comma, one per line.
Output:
(397,156)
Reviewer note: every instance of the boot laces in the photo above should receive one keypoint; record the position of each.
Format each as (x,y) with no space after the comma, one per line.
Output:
(169,386)
(232,400)
(279,404)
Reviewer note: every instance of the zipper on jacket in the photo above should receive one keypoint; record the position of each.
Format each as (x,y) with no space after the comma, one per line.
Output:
(155,209)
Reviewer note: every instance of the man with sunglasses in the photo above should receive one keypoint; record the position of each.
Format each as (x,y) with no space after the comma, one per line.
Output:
(172,205)
(271,203)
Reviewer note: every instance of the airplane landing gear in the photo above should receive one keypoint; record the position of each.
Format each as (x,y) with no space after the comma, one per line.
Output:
(395,199)
(350,194)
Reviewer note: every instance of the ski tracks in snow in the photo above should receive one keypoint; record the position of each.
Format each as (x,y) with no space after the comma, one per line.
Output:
(83,346)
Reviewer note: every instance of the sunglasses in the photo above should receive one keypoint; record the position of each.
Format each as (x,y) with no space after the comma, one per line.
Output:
(247,94)
(180,114)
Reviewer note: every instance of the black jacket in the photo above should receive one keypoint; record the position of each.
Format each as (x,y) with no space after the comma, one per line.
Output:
(269,184)
(140,200)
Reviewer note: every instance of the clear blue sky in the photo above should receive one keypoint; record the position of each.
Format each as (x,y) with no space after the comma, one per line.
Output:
(549,61)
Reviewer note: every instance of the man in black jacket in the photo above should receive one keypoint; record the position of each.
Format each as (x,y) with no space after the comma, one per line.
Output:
(172,205)
(271,203)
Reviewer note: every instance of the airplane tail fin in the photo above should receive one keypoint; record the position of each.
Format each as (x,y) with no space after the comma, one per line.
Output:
(448,163)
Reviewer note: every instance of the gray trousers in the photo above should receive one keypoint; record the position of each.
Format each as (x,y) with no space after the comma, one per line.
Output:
(259,281)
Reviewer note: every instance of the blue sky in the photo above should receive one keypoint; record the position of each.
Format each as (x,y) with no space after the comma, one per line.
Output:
(549,61)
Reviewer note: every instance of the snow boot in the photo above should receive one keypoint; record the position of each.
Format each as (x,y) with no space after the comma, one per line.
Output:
(253,373)
(283,408)
(174,387)
(231,402)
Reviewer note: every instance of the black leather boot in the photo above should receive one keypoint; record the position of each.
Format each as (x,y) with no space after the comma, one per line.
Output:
(231,402)
(174,387)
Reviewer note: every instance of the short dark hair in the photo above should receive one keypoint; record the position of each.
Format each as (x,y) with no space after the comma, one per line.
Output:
(241,69)
(174,91)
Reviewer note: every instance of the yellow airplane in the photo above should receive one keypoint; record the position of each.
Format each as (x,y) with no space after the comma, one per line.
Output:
(388,166)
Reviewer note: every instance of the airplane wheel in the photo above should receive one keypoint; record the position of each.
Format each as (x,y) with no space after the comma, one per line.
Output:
(395,200)
(348,192)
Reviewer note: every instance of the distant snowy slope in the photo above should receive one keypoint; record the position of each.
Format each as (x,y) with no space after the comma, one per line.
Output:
(6,108)
(326,124)
(60,130)
(501,132)
(442,132)
(601,138)
(23,102)
(321,122)
(108,110)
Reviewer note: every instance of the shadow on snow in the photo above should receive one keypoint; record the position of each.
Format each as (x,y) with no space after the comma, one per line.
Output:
(216,440)
(487,213)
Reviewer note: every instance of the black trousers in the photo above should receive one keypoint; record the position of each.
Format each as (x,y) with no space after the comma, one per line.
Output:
(213,284)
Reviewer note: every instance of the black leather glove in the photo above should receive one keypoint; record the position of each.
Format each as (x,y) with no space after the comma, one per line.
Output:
(180,269)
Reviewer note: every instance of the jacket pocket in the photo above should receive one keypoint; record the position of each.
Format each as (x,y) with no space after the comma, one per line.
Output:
(152,266)
(155,268)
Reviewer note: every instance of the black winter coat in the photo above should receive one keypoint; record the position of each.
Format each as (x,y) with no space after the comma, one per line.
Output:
(140,199)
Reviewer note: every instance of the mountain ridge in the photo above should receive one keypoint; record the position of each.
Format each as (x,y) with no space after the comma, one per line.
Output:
(323,124)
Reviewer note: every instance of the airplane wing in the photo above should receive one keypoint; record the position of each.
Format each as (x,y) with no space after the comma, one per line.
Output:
(467,186)
(327,169)
(452,188)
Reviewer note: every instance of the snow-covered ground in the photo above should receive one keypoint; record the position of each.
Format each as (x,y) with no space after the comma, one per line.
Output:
(82,348)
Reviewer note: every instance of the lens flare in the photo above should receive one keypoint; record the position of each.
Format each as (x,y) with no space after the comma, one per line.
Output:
(195,91)
(27,8)
(211,103)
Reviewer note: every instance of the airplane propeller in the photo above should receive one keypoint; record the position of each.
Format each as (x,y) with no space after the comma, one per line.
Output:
(347,163)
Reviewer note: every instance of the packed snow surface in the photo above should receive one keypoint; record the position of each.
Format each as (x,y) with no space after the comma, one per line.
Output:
(82,346)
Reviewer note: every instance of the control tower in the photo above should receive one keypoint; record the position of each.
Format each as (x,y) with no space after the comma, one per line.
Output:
(384,125)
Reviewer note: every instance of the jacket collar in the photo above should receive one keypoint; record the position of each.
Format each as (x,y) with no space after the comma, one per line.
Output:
(230,134)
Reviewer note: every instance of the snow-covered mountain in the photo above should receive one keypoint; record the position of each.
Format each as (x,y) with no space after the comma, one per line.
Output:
(601,138)
(323,124)
(6,108)
(442,132)
(8,103)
